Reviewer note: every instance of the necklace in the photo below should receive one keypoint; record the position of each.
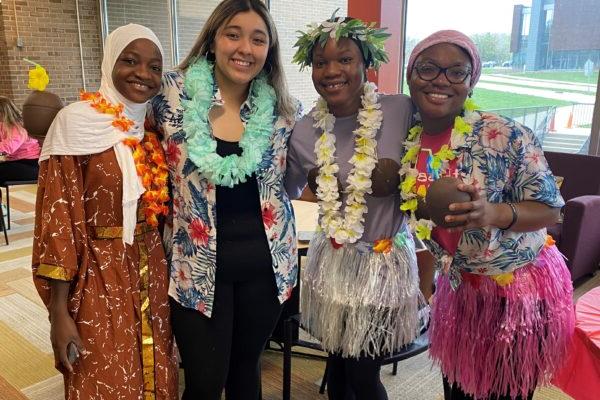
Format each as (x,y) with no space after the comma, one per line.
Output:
(349,228)
(148,157)
(202,147)
(436,163)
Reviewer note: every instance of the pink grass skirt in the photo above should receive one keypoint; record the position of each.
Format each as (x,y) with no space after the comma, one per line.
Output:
(494,340)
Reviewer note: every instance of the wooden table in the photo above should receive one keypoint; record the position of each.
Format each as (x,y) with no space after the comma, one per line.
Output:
(306,219)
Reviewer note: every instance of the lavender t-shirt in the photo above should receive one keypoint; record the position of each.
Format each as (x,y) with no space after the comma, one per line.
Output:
(383,218)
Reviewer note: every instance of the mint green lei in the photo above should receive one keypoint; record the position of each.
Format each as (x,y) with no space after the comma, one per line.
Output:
(202,147)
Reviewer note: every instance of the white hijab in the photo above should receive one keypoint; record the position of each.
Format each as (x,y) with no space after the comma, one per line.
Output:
(78,129)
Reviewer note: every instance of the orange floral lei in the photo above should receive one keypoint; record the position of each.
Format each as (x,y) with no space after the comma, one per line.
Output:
(150,163)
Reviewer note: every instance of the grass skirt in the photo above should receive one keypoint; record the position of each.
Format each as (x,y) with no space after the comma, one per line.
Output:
(359,302)
(504,340)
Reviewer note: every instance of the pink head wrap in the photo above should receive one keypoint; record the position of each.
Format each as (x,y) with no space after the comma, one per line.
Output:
(453,37)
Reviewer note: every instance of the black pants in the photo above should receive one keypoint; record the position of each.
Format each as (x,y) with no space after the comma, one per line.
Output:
(224,351)
(354,379)
(18,170)
(453,392)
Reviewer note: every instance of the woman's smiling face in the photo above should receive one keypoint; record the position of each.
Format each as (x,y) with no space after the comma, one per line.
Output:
(338,74)
(138,70)
(440,100)
(241,47)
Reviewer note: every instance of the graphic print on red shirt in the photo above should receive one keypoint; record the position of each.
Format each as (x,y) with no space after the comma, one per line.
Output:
(431,144)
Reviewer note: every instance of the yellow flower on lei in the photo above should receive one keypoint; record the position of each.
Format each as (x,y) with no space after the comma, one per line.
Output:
(504,279)
(408,184)
(414,132)
(38,78)
(411,154)
(423,232)
(460,126)
(470,105)
(409,205)
(445,153)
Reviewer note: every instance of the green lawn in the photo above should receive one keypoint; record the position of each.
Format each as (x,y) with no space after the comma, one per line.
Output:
(582,91)
(566,76)
(493,100)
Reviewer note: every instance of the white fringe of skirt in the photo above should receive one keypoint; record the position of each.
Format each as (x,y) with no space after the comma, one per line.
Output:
(358,302)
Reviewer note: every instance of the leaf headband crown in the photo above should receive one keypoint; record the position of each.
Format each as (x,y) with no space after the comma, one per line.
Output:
(370,40)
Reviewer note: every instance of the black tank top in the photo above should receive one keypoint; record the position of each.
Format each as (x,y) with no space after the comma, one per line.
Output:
(242,248)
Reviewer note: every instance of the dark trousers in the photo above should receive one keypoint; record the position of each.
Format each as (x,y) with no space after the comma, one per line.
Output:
(453,392)
(354,379)
(18,170)
(224,351)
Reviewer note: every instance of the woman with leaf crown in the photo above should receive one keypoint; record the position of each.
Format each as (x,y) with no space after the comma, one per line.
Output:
(360,292)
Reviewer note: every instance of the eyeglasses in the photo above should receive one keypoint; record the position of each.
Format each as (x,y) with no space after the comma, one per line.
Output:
(429,72)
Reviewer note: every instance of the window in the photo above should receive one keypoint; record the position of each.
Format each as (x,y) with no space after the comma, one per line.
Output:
(290,16)
(540,73)
(151,13)
(191,16)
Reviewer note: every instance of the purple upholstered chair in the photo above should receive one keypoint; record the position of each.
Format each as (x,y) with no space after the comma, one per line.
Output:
(578,236)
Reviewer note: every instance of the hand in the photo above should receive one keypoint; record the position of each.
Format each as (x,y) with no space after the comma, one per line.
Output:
(63,331)
(476,213)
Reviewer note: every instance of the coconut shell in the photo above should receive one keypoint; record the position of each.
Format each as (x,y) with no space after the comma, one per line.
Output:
(440,195)
(39,110)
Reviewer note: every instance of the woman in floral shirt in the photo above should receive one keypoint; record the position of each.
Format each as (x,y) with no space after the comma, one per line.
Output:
(502,313)
(226,116)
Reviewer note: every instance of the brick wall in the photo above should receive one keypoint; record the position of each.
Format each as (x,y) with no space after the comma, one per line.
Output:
(48,29)
(5,85)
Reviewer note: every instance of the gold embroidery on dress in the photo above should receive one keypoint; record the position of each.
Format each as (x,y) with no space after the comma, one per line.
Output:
(53,272)
(147,334)
(116,232)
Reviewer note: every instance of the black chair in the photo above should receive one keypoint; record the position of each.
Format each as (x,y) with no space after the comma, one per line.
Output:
(291,327)
(6,185)
(287,335)
(2,220)
(418,346)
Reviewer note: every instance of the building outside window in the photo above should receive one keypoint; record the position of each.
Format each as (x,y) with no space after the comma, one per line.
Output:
(534,54)
(541,57)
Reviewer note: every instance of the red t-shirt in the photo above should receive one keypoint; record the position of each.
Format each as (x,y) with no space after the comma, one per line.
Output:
(431,144)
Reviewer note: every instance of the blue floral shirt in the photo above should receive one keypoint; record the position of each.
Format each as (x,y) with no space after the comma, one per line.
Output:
(190,233)
(506,161)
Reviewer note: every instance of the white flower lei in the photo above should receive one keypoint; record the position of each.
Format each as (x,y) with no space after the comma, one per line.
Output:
(349,228)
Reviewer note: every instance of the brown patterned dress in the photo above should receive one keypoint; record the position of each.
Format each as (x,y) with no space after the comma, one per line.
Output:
(118,295)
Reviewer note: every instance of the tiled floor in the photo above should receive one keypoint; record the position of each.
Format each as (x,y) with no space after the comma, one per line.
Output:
(26,364)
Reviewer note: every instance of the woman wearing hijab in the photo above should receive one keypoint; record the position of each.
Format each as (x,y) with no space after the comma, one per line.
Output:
(98,261)
(503,310)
